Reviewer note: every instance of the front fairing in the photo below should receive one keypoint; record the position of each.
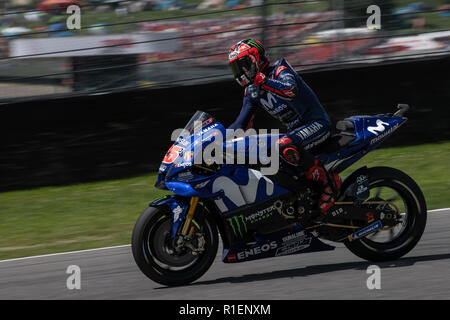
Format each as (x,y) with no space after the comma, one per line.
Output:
(254,149)
(175,173)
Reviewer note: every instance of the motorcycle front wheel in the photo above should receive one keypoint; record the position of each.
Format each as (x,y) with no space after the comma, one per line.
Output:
(162,258)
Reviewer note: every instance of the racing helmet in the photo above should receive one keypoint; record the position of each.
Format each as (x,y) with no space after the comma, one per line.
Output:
(246,59)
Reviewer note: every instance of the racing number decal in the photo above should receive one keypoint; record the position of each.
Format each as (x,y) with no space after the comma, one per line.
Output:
(172,154)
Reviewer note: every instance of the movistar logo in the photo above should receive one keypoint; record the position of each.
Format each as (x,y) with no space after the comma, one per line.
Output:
(269,103)
(380,127)
(388,132)
(238,225)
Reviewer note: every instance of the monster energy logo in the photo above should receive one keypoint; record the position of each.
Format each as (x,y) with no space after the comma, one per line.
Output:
(260,215)
(238,221)
(255,44)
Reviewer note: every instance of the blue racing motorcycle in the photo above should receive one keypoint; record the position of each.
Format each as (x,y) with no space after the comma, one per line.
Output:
(380,213)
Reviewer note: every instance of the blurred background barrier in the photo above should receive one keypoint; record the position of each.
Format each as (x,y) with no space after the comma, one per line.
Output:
(56,141)
(124,45)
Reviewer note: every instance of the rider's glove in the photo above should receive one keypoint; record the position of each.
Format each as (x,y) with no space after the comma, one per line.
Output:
(259,79)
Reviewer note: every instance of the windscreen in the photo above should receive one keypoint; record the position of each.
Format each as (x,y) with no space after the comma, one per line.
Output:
(198,121)
(197,124)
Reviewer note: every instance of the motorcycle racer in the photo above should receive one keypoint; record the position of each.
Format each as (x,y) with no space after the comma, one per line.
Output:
(280,91)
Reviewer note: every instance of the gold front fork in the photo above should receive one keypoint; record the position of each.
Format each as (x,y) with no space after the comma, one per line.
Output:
(189,216)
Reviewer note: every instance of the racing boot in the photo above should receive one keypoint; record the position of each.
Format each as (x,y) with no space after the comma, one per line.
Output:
(330,185)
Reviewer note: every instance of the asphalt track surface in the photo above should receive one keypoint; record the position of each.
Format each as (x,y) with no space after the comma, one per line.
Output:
(112,274)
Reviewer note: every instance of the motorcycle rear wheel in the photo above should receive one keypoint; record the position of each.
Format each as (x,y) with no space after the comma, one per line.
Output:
(413,225)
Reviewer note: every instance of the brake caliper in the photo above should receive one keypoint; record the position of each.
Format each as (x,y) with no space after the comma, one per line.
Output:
(195,242)
(387,211)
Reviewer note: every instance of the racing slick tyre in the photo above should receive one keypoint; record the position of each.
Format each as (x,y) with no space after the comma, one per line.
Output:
(161,258)
(388,184)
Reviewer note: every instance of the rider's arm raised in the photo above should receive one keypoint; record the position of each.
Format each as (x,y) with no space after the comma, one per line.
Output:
(284,85)
(245,119)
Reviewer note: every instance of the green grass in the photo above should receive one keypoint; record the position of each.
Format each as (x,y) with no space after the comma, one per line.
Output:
(428,165)
(56,219)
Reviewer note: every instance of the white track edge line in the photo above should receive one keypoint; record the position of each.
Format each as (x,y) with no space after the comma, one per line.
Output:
(114,247)
(437,210)
(65,253)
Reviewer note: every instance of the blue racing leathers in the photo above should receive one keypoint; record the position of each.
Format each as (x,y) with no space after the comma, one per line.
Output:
(289,99)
